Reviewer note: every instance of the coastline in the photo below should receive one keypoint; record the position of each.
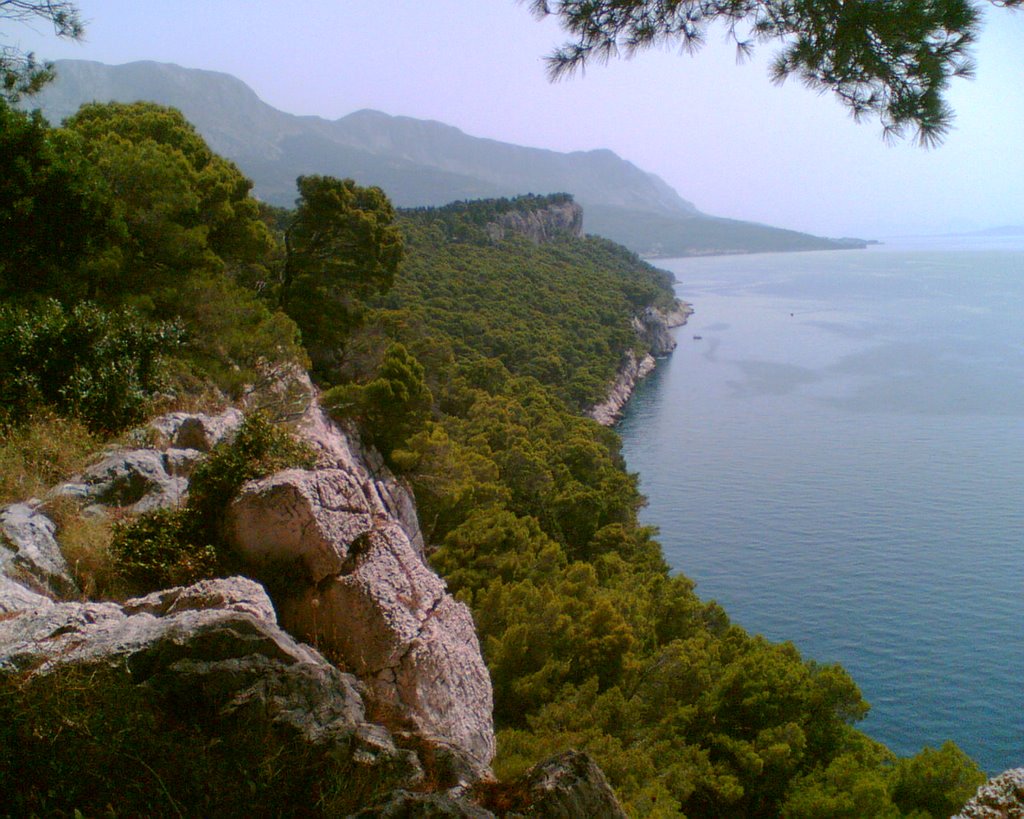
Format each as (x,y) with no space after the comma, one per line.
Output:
(651,327)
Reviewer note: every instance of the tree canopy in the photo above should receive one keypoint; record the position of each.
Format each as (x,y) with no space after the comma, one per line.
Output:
(891,59)
(341,246)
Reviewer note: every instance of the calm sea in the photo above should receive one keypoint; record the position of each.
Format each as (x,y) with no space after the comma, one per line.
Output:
(839,461)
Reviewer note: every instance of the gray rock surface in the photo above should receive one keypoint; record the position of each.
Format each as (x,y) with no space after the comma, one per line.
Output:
(299,516)
(1002,797)
(569,786)
(361,590)
(215,649)
(148,478)
(137,479)
(30,555)
(163,624)
(190,430)
(633,369)
(394,624)
(341,448)
(539,226)
(15,596)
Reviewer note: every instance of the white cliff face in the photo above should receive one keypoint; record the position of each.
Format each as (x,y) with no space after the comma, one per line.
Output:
(541,225)
(632,370)
(652,328)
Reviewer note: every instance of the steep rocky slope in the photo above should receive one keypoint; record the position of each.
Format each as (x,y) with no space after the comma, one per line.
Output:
(395,701)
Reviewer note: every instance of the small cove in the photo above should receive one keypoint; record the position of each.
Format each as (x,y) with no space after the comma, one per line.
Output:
(838,460)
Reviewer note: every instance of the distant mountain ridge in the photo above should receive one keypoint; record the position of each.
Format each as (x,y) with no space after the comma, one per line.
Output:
(417,162)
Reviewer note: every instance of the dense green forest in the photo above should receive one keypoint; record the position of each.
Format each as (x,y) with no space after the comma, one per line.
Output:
(138,273)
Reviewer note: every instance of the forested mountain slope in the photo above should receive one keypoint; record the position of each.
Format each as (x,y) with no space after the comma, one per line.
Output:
(417,162)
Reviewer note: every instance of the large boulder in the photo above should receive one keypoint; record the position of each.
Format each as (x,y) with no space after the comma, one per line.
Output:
(297,516)
(152,477)
(568,786)
(393,623)
(15,597)
(341,448)
(1002,797)
(232,617)
(346,536)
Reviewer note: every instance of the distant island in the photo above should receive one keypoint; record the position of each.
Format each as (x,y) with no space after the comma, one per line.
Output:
(419,162)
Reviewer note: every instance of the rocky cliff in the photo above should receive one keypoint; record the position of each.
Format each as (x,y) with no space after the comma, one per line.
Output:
(358,668)
(540,225)
(652,328)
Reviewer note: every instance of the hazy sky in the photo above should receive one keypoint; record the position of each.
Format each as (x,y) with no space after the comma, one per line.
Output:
(720,133)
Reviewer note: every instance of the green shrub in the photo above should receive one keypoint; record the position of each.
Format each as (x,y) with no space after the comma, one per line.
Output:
(102,367)
(83,741)
(259,448)
(156,550)
(393,406)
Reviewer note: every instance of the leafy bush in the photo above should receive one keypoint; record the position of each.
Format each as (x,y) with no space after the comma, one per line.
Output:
(92,741)
(102,367)
(259,448)
(157,550)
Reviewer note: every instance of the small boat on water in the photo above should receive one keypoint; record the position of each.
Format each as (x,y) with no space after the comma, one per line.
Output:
(697,338)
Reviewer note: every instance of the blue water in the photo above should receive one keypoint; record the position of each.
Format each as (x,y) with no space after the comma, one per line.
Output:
(839,461)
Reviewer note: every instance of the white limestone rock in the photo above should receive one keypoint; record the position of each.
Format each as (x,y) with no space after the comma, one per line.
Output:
(1002,797)
(196,430)
(304,516)
(29,553)
(394,624)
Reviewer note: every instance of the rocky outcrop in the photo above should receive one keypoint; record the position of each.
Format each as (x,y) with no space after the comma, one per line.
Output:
(156,477)
(632,370)
(139,480)
(404,705)
(362,592)
(1002,797)
(189,430)
(341,448)
(32,568)
(567,786)
(652,329)
(540,225)
(214,650)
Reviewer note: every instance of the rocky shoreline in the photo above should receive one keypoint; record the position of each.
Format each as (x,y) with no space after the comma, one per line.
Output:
(652,328)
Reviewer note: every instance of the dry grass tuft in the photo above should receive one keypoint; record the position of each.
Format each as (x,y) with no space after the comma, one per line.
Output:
(85,541)
(38,454)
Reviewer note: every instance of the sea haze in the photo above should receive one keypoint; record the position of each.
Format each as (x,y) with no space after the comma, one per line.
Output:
(839,461)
